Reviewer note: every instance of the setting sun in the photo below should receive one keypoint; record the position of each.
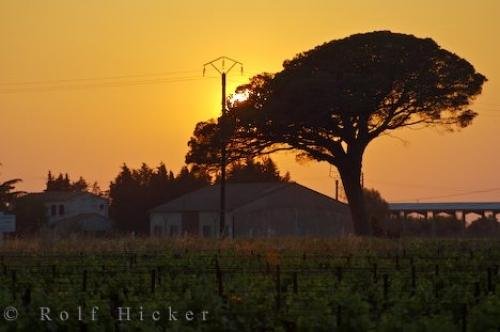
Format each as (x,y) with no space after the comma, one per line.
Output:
(238,97)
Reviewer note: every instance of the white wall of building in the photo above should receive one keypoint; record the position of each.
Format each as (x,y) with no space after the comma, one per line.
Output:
(166,224)
(57,210)
(170,224)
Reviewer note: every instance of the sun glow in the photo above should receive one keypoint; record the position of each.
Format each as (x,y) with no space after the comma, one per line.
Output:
(238,97)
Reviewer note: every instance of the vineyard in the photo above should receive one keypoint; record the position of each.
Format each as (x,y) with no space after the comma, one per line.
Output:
(282,285)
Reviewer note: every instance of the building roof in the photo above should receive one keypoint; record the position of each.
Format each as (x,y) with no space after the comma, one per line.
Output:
(207,198)
(237,195)
(458,206)
(59,196)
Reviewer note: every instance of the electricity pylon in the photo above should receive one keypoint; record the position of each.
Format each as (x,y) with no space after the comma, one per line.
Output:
(223,65)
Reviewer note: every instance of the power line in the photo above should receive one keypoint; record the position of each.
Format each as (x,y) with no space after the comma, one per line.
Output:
(69,80)
(100,78)
(400,184)
(332,173)
(455,195)
(110,84)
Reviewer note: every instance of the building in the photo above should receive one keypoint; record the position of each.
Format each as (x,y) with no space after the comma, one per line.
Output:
(253,210)
(73,211)
(7,224)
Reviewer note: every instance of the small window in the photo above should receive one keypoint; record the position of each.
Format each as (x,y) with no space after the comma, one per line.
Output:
(207,231)
(174,230)
(61,210)
(53,210)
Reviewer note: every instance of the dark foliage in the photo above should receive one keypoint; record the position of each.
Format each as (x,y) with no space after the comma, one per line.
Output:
(251,170)
(377,210)
(8,194)
(484,227)
(30,214)
(135,191)
(63,183)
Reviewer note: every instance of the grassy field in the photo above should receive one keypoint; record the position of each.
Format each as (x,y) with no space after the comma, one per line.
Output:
(188,284)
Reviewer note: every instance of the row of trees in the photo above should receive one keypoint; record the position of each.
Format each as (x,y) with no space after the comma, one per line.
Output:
(135,191)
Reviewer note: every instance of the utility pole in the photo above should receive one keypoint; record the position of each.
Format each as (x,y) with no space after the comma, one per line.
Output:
(223,65)
(337,190)
(332,174)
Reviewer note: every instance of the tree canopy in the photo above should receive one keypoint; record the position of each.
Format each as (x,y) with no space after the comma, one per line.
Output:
(8,194)
(135,191)
(63,183)
(251,170)
(329,103)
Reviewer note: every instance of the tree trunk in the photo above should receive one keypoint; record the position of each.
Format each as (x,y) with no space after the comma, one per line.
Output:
(350,172)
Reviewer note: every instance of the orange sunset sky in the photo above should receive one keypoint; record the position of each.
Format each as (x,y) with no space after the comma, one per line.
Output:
(88,85)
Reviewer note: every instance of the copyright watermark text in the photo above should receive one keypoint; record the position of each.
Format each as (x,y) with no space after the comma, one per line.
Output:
(123,314)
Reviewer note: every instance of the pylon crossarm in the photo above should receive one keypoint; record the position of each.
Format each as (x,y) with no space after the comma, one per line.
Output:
(215,67)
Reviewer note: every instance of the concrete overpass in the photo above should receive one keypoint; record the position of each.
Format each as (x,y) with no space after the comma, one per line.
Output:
(459,210)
